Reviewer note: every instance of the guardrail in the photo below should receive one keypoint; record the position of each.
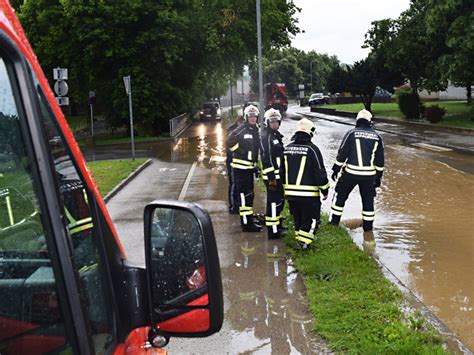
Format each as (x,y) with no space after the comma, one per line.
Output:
(179,124)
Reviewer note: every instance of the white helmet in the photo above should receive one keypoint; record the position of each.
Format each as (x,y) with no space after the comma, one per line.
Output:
(306,126)
(271,115)
(251,110)
(365,115)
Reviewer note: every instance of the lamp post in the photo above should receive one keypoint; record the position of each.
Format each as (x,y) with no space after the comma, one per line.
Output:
(311,73)
(259,57)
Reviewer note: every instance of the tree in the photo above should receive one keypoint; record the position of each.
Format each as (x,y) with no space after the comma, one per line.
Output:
(366,75)
(452,22)
(337,80)
(176,52)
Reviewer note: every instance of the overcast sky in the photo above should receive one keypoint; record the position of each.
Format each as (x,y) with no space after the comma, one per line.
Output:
(337,27)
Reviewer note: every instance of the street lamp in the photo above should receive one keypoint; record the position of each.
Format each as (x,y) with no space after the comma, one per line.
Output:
(311,73)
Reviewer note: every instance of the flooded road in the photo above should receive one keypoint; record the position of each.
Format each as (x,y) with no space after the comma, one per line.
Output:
(424,232)
(424,226)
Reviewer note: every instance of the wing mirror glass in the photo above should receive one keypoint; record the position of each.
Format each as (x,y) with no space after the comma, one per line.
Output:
(185,288)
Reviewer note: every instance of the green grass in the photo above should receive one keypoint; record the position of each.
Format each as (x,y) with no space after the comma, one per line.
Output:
(458,113)
(77,123)
(355,308)
(119,140)
(108,173)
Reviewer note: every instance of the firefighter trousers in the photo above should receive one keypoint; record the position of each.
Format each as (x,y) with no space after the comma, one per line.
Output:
(243,180)
(344,187)
(275,204)
(307,217)
(232,195)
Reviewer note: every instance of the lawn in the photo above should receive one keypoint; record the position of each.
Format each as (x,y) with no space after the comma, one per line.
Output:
(354,307)
(108,173)
(77,123)
(459,113)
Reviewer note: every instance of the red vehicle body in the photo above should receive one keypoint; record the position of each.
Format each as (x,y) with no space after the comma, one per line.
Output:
(276,96)
(65,282)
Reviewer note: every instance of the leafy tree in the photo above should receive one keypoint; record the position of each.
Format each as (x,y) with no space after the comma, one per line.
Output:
(452,22)
(337,80)
(177,52)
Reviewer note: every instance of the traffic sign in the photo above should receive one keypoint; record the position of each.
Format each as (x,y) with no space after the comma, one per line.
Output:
(60,74)
(62,100)
(126,82)
(61,88)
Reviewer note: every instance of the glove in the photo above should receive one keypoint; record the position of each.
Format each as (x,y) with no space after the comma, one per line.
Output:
(335,171)
(378,182)
(272,185)
(256,172)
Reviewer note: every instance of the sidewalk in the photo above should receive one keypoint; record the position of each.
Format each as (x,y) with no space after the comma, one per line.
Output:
(435,135)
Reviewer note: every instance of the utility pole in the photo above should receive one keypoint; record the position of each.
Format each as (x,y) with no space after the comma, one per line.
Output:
(231,99)
(260,69)
(128,89)
(311,73)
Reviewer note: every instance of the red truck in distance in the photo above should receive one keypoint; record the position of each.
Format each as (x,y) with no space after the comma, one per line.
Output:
(66,285)
(276,96)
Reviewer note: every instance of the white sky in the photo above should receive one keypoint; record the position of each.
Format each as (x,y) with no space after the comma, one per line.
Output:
(337,27)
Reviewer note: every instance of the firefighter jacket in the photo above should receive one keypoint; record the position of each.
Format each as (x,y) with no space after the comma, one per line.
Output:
(271,151)
(305,175)
(361,152)
(243,142)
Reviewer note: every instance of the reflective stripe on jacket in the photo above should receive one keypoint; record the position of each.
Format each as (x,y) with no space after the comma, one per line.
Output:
(361,152)
(243,142)
(304,172)
(271,151)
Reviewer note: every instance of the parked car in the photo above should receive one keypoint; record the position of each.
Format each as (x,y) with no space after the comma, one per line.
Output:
(318,99)
(210,110)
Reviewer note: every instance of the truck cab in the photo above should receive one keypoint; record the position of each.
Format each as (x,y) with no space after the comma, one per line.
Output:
(66,285)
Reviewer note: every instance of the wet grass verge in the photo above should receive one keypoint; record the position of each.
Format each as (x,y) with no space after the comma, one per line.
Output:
(355,308)
(108,173)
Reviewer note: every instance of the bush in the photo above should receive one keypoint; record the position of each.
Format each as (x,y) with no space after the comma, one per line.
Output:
(409,103)
(434,113)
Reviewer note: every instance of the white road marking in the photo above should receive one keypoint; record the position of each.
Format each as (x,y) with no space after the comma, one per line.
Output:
(432,147)
(186,182)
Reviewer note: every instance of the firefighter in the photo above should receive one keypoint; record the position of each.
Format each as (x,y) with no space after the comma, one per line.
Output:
(244,145)
(305,179)
(271,150)
(360,161)
(231,192)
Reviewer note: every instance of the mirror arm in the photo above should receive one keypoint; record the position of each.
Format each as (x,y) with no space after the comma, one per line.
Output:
(156,338)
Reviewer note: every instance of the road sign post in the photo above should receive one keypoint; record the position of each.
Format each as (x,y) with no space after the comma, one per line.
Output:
(60,86)
(128,89)
(91,105)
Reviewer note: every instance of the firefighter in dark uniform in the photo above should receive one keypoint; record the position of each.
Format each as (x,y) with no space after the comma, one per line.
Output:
(360,161)
(231,192)
(271,151)
(244,145)
(305,179)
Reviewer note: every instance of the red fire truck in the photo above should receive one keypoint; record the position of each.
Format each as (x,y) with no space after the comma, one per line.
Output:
(66,285)
(276,96)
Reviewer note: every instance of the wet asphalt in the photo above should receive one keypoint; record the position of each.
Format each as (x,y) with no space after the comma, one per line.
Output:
(265,306)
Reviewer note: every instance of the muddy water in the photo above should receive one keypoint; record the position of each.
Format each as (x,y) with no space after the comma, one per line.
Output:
(424,227)
(424,230)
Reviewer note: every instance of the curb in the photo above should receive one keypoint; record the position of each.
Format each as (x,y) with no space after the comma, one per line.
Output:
(395,120)
(125,181)
(406,135)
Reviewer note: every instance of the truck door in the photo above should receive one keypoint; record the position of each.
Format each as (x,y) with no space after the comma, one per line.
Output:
(54,284)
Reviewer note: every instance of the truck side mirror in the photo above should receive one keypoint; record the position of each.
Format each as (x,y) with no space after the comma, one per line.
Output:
(183,272)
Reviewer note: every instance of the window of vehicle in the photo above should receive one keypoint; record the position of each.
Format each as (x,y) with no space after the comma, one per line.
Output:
(30,315)
(82,232)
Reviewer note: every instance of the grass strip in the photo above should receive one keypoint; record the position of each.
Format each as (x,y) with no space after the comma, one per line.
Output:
(355,308)
(458,113)
(108,173)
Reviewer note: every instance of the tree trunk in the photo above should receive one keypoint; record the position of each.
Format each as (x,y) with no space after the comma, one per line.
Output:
(367,100)
(469,93)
